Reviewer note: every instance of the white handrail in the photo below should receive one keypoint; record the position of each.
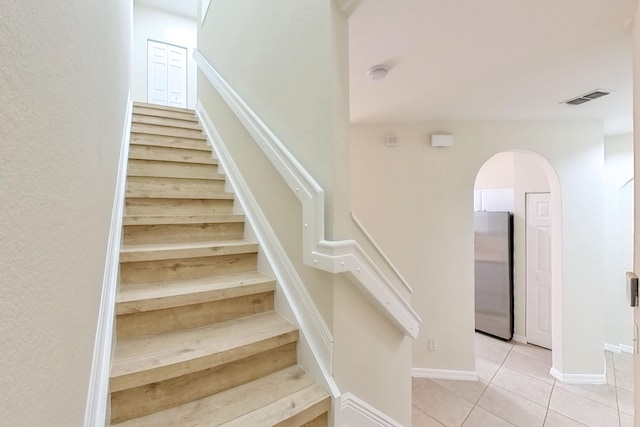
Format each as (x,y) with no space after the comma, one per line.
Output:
(345,256)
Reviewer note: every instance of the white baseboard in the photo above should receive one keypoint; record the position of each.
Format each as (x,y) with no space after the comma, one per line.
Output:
(613,348)
(520,339)
(578,378)
(626,348)
(354,412)
(444,374)
(619,349)
(96,409)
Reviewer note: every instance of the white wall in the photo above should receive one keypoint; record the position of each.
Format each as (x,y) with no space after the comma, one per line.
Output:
(522,174)
(63,95)
(619,242)
(426,226)
(158,25)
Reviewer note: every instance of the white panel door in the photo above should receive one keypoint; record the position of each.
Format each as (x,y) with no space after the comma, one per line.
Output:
(177,77)
(538,264)
(167,74)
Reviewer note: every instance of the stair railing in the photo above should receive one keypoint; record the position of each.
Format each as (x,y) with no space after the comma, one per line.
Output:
(342,256)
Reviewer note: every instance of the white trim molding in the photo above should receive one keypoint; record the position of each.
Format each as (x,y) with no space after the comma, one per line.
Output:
(309,320)
(96,410)
(618,349)
(444,374)
(519,338)
(612,348)
(345,256)
(578,378)
(354,412)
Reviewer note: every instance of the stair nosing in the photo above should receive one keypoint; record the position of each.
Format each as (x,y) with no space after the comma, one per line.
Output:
(201,411)
(133,220)
(167,251)
(144,363)
(167,294)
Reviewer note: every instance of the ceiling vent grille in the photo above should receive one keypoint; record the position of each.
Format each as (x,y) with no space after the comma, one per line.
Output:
(587,97)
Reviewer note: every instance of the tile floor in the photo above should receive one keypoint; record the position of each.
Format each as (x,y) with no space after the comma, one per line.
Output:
(515,389)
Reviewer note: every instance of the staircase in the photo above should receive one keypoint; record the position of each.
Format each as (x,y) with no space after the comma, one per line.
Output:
(197,340)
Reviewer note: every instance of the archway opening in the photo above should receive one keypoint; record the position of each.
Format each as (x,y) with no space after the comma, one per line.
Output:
(524,184)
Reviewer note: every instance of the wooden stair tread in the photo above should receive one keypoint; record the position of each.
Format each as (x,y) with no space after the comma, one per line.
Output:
(162,251)
(181,219)
(135,298)
(154,112)
(144,360)
(290,411)
(153,129)
(162,107)
(229,404)
(171,154)
(166,121)
(176,188)
(169,141)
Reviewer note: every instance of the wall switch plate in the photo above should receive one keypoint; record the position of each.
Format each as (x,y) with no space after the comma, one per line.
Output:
(433,345)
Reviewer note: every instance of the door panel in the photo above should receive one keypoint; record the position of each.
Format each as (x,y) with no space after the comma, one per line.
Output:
(167,74)
(538,265)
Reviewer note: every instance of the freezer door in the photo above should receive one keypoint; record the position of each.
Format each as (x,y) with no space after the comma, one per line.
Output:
(494,273)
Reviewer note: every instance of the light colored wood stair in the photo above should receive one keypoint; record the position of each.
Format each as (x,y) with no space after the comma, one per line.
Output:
(197,340)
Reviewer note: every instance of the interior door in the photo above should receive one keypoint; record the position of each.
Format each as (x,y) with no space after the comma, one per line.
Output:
(166,74)
(538,266)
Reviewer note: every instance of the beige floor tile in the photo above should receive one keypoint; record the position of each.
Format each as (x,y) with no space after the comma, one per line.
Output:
(533,351)
(530,366)
(625,401)
(507,345)
(441,404)
(511,407)
(624,378)
(581,409)
(420,419)
(415,382)
(523,385)
(468,390)
(491,352)
(626,420)
(481,418)
(556,420)
(486,369)
(602,393)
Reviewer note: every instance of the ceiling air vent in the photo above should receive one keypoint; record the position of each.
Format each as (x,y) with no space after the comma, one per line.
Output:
(587,97)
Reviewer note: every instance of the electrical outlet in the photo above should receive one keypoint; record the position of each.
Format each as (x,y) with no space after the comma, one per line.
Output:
(433,345)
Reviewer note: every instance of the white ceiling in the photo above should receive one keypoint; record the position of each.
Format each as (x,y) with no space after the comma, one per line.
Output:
(187,8)
(491,60)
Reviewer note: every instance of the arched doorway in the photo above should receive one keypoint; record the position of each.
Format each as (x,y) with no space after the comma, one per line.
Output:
(524,183)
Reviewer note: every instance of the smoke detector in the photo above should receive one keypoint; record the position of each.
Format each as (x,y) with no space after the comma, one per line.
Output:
(595,94)
(377,72)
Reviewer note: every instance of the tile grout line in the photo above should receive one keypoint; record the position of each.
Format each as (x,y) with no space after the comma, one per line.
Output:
(487,387)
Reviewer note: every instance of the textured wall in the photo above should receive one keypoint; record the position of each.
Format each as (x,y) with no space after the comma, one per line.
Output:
(64,78)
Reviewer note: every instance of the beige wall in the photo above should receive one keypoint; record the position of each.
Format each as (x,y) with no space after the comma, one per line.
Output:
(158,25)
(65,75)
(619,241)
(296,80)
(428,197)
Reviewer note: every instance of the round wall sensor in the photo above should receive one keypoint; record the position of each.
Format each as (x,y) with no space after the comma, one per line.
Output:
(377,72)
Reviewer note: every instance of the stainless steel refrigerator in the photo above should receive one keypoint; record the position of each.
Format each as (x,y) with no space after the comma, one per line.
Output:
(494,273)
